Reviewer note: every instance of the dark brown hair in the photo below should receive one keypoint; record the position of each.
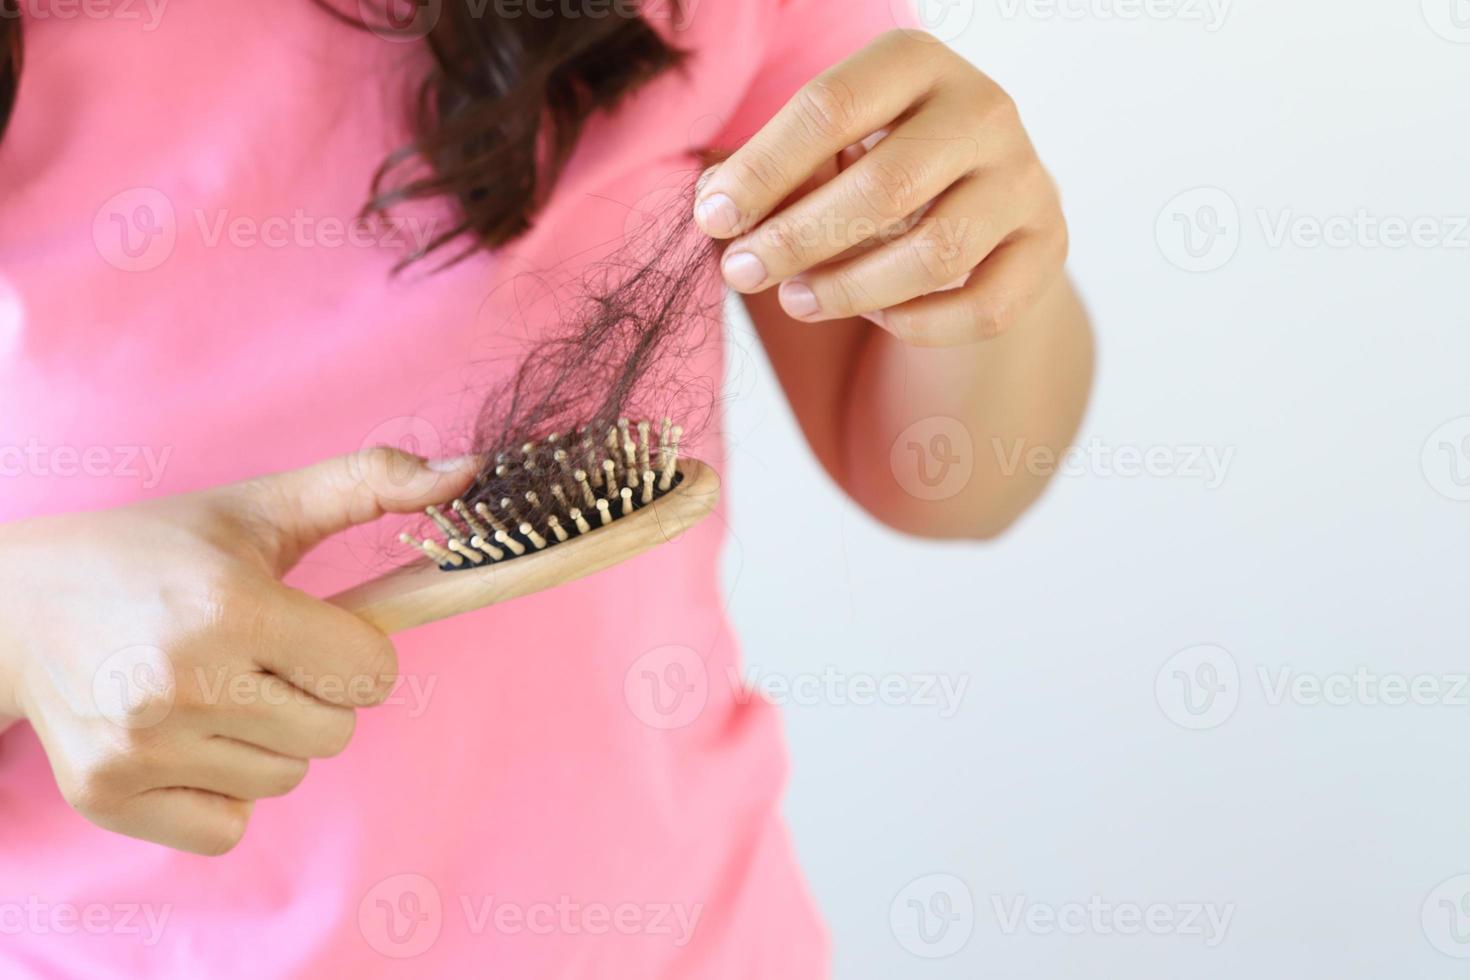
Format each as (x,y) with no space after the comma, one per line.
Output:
(499,110)
(10,59)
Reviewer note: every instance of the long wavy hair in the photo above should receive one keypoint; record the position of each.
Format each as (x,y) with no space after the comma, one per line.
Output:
(498,111)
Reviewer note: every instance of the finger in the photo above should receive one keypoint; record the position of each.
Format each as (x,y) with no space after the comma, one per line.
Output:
(294,511)
(323,650)
(266,712)
(1005,286)
(943,248)
(828,114)
(900,175)
(234,769)
(188,820)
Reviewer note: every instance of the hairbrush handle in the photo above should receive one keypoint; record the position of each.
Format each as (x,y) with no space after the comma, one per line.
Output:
(422,593)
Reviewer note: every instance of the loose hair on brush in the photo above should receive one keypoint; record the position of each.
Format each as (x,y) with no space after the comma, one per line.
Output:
(610,378)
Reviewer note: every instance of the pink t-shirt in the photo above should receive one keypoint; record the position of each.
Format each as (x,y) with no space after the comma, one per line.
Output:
(571,785)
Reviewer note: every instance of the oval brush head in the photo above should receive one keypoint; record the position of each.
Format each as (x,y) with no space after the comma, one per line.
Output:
(546,514)
(552,491)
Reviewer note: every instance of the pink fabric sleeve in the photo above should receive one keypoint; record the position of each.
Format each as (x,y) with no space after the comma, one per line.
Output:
(805,38)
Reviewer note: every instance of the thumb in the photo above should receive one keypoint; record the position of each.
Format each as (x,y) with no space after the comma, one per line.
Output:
(298,509)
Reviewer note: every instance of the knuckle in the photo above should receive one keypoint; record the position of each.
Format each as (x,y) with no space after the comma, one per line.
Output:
(999,108)
(377,670)
(377,464)
(845,295)
(946,250)
(756,170)
(989,318)
(244,611)
(87,794)
(100,784)
(785,242)
(888,188)
(257,696)
(828,108)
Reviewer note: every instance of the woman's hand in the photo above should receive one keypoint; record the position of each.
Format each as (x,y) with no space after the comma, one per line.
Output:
(171,677)
(899,186)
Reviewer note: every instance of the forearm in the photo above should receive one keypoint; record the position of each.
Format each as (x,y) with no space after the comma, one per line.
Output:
(1012,399)
(902,185)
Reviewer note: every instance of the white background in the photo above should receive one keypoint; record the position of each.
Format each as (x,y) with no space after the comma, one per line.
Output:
(1333,545)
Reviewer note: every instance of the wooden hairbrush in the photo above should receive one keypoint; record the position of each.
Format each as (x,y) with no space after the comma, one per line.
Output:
(582,504)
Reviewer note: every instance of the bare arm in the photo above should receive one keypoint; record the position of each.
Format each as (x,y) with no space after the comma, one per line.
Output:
(855,389)
(901,249)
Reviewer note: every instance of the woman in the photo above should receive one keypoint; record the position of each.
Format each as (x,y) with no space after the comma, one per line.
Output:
(564,786)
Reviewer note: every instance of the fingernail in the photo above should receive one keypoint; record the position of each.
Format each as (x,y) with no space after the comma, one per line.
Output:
(798,299)
(453,464)
(743,270)
(718,215)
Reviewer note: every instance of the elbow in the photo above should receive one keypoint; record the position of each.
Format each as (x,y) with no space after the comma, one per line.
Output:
(979,512)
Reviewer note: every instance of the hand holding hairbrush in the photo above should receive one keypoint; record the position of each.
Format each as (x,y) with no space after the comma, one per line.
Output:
(548,513)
